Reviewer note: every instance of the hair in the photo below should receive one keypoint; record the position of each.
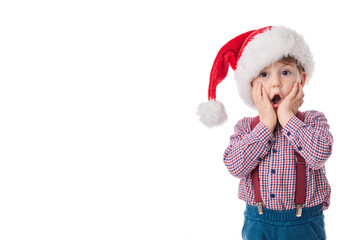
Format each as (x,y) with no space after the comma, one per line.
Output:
(291,59)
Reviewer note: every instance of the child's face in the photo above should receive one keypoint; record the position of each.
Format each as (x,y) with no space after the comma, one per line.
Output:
(278,80)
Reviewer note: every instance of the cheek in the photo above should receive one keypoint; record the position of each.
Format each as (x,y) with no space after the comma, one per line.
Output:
(289,86)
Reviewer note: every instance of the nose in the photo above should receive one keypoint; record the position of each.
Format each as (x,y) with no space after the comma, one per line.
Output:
(275,81)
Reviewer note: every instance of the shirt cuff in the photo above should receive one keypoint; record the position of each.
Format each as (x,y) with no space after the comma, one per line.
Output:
(292,127)
(263,134)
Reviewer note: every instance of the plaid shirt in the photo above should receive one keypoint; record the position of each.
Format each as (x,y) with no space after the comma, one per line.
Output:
(274,153)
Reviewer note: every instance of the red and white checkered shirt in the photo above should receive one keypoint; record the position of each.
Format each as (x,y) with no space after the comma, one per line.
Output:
(274,153)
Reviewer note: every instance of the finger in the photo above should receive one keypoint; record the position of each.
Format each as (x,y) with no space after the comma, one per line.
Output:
(255,90)
(301,103)
(265,96)
(260,93)
(259,86)
(256,93)
(294,91)
(301,94)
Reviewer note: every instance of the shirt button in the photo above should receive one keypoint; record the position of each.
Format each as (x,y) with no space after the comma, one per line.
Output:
(269,142)
(288,133)
(274,151)
(299,148)
(273,171)
(272,195)
(260,159)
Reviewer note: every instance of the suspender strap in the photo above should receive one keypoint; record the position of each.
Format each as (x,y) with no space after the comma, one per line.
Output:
(255,172)
(300,172)
(300,175)
(255,175)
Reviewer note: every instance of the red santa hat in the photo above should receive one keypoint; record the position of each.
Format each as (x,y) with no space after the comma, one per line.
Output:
(248,54)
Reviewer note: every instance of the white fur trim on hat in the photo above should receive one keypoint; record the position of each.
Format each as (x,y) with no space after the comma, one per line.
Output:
(267,48)
(212,113)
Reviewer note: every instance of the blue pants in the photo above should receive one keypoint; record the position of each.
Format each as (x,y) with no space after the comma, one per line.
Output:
(281,225)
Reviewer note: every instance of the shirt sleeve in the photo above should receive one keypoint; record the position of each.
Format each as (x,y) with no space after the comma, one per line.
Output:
(247,148)
(311,138)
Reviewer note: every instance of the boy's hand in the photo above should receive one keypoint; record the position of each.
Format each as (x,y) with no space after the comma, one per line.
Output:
(266,111)
(290,105)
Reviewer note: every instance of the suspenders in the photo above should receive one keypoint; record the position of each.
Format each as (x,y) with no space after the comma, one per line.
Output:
(300,176)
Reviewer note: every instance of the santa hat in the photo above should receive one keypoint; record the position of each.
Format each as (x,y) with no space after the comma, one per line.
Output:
(248,54)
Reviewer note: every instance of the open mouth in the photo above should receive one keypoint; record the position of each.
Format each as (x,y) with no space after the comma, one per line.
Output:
(276,99)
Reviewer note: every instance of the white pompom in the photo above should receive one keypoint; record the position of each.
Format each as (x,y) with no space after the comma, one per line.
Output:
(212,113)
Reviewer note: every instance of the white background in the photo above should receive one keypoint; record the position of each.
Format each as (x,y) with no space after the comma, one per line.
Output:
(98,133)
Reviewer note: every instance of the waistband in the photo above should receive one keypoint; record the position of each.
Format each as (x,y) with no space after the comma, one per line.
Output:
(284,216)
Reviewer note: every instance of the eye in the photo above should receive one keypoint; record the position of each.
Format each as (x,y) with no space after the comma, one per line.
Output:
(263,74)
(285,73)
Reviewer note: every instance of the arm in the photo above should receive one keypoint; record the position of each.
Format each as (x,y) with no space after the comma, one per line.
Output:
(247,148)
(311,139)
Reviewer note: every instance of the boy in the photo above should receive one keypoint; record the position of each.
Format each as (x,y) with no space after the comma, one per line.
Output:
(278,156)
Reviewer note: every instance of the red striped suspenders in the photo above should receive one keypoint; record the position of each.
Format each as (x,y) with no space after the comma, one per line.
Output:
(300,176)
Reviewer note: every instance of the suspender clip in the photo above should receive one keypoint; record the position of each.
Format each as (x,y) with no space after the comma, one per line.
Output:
(260,208)
(298,210)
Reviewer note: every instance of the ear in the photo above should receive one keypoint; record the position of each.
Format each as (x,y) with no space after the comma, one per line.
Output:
(303,78)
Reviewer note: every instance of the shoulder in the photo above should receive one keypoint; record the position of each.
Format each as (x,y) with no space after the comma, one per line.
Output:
(314,116)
